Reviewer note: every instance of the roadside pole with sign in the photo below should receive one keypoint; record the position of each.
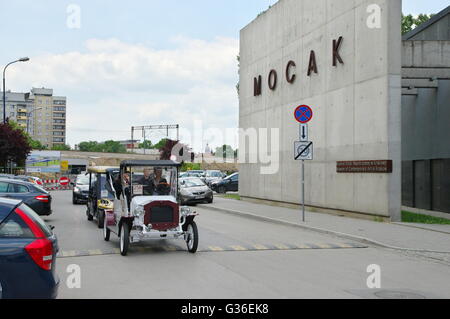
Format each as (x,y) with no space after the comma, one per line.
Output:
(303,149)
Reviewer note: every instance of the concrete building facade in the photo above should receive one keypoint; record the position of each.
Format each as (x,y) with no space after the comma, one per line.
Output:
(426,115)
(343,59)
(39,113)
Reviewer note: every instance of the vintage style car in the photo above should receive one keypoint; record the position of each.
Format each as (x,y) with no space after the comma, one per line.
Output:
(146,206)
(100,197)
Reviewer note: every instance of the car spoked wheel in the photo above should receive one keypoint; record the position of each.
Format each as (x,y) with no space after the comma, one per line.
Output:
(192,237)
(106,231)
(124,239)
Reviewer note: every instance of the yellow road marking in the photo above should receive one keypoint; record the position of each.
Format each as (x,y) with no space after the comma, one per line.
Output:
(260,247)
(281,246)
(69,253)
(170,248)
(215,248)
(94,252)
(324,246)
(240,248)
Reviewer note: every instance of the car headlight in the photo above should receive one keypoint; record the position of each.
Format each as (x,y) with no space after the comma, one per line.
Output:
(76,190)
(185,211)
(139,211)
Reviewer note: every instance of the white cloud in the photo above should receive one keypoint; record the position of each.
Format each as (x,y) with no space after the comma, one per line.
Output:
(113,85)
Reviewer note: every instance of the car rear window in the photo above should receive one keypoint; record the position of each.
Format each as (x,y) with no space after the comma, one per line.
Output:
(40,189)
(14,227)
(36,219)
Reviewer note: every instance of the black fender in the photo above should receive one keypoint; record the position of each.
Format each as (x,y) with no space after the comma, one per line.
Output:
(127,220)
(189,219)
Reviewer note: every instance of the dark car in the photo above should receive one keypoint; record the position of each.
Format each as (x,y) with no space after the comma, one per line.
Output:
(228,184)
(28,251)
(193,190)
(33,195)
(212,176)
(29,179)
(80,192)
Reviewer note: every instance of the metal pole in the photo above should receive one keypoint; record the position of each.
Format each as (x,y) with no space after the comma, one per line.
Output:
(132,138)
(4,97)
(303,191)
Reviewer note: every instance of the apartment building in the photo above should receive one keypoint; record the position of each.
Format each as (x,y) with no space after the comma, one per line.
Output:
(40,114)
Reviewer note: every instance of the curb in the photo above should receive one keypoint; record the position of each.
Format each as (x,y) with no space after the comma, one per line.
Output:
(320,230)
(423,228)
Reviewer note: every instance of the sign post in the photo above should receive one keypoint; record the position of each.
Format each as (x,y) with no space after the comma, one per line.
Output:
(303,150)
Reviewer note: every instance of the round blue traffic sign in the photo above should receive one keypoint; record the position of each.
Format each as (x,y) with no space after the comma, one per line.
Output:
(303,114)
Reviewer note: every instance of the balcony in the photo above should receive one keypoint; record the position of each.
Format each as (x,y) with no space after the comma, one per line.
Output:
(21,117)
(22,111)
(23,125)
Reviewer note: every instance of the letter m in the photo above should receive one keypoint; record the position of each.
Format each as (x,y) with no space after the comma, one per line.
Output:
(257,86)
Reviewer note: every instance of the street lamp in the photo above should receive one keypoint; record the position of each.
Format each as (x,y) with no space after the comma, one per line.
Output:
(4,93)
(28,119)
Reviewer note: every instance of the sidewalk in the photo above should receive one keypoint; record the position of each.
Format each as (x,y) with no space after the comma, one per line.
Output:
(391,235)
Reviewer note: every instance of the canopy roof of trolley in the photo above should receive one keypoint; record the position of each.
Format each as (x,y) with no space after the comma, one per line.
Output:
(102,169)
(138,163)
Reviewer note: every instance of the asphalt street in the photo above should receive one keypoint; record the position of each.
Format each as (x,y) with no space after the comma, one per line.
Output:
(238,257)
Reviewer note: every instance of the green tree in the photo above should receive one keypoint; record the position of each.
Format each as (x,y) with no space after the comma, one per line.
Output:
(89,146)
(409,22)
(106,147)
(160,144)
(146,144)
(14,145)
(113,147)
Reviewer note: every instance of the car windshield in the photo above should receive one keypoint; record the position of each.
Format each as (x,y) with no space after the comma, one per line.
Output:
(213,174)
(83,179)
(151,181)
(191,182)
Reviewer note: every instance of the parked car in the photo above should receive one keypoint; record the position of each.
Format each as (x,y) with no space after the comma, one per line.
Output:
(6,176)
(31,194)
(193,190)
(200,173)
(213,176)
(28,251)
(80,192)
(228,184)
(29,179)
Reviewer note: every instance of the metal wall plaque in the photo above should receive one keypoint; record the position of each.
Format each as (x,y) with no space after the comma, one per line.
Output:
(365,166)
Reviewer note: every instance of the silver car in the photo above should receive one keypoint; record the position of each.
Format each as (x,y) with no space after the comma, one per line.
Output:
(193,190)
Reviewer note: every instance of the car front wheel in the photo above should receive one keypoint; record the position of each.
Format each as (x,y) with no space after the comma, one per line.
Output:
(192,237)
(124,239)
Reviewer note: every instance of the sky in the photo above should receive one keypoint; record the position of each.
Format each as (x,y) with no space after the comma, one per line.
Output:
(136,62)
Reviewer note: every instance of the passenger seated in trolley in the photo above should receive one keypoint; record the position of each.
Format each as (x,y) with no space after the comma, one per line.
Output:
(154,184)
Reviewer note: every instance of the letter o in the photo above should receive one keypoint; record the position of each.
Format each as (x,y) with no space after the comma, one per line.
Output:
(273,77)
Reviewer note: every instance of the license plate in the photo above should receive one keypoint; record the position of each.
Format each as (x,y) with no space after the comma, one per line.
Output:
(199,197)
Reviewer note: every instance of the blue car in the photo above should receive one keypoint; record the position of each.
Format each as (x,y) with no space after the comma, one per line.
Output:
(28,251)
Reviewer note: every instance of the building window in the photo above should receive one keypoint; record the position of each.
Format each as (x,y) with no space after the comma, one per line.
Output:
(59,115)
(59,108)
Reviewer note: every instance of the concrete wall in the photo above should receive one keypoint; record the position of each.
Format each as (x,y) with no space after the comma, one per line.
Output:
(356,104)
(438,31)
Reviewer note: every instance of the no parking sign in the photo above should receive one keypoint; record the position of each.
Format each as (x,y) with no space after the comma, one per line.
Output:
(303,114)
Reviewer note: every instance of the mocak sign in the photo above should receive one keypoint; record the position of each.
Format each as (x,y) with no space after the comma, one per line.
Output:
(290,76)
